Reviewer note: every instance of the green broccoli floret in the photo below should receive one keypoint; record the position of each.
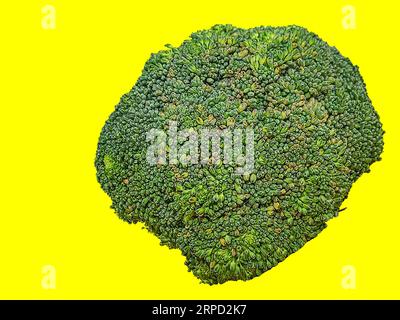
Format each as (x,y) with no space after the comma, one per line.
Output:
(315,132)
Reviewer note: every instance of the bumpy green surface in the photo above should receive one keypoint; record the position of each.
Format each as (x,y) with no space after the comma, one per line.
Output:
(315,131)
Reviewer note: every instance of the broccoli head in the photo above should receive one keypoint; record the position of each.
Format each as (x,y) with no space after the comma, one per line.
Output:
(314,131)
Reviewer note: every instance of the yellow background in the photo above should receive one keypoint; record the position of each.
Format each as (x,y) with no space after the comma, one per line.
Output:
(59,86)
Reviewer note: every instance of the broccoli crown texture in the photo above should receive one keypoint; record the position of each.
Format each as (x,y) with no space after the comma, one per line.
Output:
(315,132)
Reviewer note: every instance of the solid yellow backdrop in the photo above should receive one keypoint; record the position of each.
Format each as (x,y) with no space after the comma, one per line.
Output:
(58,86)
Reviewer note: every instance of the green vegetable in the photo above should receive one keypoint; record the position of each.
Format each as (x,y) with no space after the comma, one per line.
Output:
(315,133)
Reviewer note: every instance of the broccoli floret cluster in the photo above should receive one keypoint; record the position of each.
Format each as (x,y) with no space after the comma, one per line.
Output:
(315,132)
